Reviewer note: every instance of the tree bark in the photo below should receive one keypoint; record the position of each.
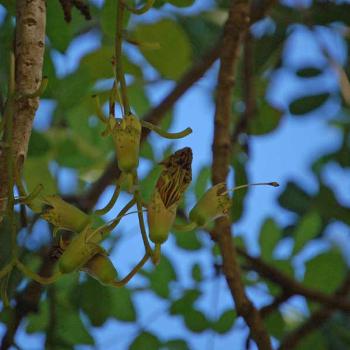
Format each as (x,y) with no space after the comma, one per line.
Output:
(29,49)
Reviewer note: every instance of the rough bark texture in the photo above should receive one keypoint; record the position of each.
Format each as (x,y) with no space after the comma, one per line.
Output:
(236,26)
(29,56)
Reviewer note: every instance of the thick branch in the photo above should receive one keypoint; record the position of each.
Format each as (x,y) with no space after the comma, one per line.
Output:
(29,55)
(293,287)
(235,27)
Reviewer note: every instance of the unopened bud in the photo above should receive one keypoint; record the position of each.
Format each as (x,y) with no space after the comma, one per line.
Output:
(64,215)
(160,218)
(101,268)
(126,135)
(214,204)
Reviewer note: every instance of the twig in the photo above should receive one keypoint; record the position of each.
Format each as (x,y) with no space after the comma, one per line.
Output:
(315,321)
(290,285)
(235,27)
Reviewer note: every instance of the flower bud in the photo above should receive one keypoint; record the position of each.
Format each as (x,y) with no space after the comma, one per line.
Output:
(172,183)
(80,250)
(160,219)
(214,204)
(126,134)
(101,268)
(64,215)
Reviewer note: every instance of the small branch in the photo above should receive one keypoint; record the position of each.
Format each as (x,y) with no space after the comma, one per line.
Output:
(235,27)
(290,285)
(315,321)
(279,300)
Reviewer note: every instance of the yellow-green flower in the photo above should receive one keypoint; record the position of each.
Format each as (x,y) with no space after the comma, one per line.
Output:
(101,268)
(63,215)
(126,135)
(214,204)
(172,183)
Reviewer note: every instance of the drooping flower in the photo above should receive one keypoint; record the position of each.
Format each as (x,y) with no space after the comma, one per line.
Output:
(126,134)
(64,215)
(213,204)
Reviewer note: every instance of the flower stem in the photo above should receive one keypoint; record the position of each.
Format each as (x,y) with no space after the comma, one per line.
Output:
(118,57)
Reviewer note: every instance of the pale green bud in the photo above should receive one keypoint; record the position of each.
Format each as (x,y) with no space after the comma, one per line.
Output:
(64,215)
(214,204)
(160,218)
(101,268)
(126,134)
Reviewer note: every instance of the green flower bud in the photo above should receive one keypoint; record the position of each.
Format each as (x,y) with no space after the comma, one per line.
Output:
(171,185)
(126,134)
(80,250)
(214,204)
(64,215)
(160,219)
(101,268)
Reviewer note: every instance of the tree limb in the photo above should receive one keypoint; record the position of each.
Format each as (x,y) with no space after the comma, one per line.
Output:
(29,56)
(315,321)
(235,27)
(291,286)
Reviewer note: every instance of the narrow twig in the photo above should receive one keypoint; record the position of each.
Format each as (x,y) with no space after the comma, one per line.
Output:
(292,286)
(315,321)
(235,27)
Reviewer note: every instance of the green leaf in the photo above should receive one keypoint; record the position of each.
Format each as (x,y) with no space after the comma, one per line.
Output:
(270,234)
(275,324)
(116,303)
(36,172)
(197,273)
(70,327)
(37,322)
(325,272)
(145,340)
(98,64)
(307,104)
(240,173)
(196,321)
(202,181)
(309,72)
(188,240)
(60,39)
(308,228)
(314,340)
(98,313)
(225,322)
(161,277)
(175,344)
(181,3)
(202,32)
(295,199)
(173,56)
(181,305)
(123,308)
(265,120)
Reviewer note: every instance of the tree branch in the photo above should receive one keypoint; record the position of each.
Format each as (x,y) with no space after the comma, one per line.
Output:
(29,56)
(293,287)
(235,27)
(315,321)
